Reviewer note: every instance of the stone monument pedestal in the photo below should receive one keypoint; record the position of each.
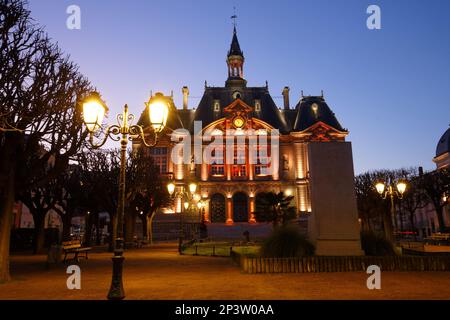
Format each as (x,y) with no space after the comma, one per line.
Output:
(333,225)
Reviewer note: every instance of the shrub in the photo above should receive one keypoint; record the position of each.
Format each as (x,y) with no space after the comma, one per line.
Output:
(286,241)
(376,245)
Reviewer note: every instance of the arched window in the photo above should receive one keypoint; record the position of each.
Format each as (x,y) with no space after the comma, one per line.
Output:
(218,208)
(240,207)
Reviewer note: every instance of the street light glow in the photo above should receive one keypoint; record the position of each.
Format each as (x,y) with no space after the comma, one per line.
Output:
(171,188)
(94,111)
(401,187)
(380,187)
(158,111)
(192,187)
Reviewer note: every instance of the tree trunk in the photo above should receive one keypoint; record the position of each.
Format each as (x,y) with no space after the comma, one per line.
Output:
(144,227)
(39,232)
(401,219)
(97,229)
(440,216)
(130,221)
(150,227)
(387,225)
(6,213)
(67,223)
(87,229)
(413,225)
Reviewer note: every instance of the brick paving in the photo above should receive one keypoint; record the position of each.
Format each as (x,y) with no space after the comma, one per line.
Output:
(160,273)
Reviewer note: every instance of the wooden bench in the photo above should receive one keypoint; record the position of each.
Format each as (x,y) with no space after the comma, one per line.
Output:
(440,236)
(74,247)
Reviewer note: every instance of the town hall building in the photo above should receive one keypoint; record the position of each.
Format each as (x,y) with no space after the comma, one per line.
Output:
(230,186)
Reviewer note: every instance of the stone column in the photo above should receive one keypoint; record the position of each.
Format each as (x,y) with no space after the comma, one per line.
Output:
(229,210)
(207,211)
(204,171)
(251,216)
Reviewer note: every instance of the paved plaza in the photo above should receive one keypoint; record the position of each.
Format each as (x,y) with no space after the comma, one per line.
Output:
(158,272)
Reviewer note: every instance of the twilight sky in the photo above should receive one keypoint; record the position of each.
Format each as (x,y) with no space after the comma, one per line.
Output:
(389,87)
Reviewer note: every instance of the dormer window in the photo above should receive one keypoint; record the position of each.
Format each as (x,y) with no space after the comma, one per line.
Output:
(216,106)
(257,105)
(315,108)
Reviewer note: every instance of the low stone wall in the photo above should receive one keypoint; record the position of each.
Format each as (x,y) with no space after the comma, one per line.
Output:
(339,264)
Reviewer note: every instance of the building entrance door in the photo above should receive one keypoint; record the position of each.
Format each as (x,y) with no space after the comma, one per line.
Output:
(240,207)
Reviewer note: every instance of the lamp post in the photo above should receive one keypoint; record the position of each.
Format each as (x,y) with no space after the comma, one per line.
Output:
(187,196)
(390,191)
(94,110)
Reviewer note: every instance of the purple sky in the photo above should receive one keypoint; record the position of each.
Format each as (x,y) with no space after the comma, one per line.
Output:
(389,87)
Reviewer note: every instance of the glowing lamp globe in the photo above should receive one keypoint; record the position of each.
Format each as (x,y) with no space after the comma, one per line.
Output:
(380,187)
(158,112)
(94,110)
(192,187)
(401,187)
(171,188)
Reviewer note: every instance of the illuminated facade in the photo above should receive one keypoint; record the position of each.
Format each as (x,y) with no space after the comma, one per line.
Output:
(230,184)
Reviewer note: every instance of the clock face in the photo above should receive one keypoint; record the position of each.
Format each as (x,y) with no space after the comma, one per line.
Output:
(238,122)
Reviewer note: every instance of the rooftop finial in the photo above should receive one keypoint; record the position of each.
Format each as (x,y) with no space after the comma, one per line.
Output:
(234,17)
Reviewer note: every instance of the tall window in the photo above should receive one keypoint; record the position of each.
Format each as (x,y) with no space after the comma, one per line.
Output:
(262,166)
(239,168)
(159,156)
(217,163)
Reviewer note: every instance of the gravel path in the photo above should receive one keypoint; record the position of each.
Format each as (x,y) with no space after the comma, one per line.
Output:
(160,273)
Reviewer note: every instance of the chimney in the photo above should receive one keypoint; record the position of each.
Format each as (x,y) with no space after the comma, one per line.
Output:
(185,91)
(285,94)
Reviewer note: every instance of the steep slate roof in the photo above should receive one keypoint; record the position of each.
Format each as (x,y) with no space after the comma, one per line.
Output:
(443,145)
(269,111)
(289,115)
(235,48)
(306,115)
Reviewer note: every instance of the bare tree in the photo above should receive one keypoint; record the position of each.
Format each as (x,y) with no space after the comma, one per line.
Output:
(39,93)
(414,197)
(149,193)
(436,184)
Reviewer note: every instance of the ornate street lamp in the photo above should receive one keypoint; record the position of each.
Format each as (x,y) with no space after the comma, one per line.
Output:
(188,197)
(392,193)
(94,110)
